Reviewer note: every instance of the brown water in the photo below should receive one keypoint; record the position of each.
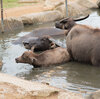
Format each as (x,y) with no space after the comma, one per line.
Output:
(72,76)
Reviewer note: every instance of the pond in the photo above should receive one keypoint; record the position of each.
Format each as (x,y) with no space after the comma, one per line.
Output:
(76,77)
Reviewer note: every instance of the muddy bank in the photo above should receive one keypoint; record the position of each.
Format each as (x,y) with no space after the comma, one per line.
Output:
(22,89)
(56,11)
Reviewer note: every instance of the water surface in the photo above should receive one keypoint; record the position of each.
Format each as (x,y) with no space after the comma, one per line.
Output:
(73,76)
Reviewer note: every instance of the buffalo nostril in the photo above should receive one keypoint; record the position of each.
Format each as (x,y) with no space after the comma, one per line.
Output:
(16,60)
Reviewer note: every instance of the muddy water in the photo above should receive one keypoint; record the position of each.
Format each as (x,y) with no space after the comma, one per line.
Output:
(77,77)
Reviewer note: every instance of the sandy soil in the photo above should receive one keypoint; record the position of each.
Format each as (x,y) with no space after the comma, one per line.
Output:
(19,11)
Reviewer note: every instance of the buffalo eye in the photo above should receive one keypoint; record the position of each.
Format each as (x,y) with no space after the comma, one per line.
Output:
(23,56)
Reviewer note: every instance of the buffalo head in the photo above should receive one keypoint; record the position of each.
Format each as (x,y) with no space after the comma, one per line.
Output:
(68,23)
(39,44)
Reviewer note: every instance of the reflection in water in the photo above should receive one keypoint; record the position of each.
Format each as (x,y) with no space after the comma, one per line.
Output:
(72,76)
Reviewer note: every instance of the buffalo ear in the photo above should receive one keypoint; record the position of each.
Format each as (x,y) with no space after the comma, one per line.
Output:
(53,45)
(32,48)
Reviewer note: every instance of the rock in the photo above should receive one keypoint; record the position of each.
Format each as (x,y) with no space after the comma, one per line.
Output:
(86,4)
(76,8)
(45,83)
(94,95)
(42,17)
(11,24)
(23,89)
(98,3)
(73,10)
(62,10)
(52,4)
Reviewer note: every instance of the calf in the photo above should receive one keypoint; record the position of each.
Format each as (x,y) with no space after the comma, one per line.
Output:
(50,57)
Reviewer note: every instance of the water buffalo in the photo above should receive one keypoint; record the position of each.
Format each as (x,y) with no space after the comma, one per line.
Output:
(40,33)
(39,43)
(83,42)
(50,57)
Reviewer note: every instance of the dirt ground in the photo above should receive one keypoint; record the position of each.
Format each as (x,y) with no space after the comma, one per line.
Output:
(19,11)
(26,9)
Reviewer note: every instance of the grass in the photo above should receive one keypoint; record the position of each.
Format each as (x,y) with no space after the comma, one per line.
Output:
(14,3)
(10,3)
